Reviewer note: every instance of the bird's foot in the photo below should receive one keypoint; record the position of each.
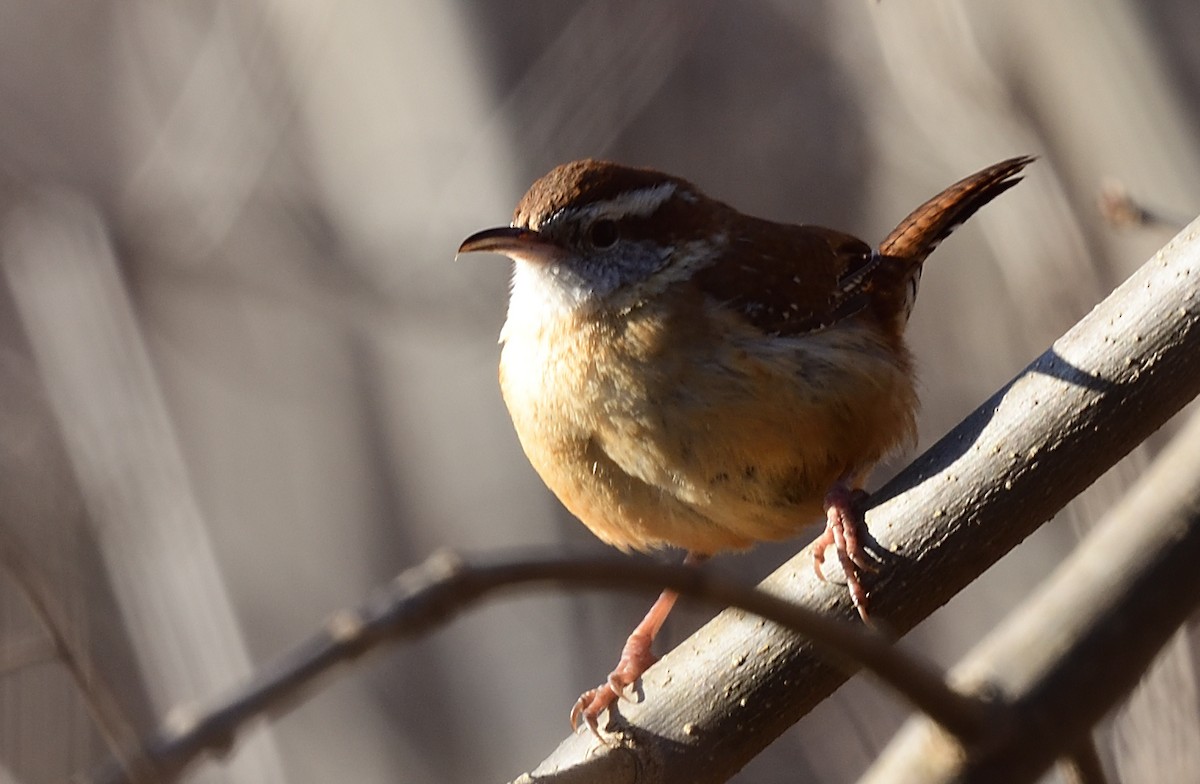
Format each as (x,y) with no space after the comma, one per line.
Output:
(843,524)
(636,658)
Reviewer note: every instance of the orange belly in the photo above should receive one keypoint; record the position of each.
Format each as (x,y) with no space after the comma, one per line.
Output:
(703,444)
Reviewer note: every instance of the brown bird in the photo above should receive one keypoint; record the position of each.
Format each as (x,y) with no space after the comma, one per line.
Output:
(682,374)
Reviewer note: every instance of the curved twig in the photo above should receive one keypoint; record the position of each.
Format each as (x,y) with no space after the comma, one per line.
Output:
(432,593)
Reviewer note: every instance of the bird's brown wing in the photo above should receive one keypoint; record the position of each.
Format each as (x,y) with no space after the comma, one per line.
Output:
(788,280)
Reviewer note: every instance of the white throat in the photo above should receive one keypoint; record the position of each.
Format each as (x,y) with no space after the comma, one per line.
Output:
(540,294)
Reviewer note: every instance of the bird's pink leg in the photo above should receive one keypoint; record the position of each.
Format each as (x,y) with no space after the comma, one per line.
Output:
(842,526)
(636,658)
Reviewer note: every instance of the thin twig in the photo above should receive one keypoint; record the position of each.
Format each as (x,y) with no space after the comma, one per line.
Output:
(432,593)
(106,712)
(1121,210)
(28,652)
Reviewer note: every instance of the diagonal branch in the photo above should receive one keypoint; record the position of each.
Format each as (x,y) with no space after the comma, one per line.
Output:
(111,722)
(1072,651)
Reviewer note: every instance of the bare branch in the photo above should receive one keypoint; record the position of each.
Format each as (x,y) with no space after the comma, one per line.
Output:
(1081,643)
(431,594)
(66,283)
(103,707)
(28,652)
(1121,210)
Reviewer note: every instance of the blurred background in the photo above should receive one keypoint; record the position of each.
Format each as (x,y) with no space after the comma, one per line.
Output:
(243,380)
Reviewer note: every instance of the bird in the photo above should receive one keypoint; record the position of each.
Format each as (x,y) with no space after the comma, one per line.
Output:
(681,374)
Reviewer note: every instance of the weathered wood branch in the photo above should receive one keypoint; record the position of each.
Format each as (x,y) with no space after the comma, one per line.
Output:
(1072,651)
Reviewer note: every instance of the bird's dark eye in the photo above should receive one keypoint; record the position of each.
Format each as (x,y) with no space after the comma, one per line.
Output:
(603,234)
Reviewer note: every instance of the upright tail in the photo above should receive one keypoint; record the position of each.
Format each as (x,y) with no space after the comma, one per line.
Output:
(910,243)
(927,225)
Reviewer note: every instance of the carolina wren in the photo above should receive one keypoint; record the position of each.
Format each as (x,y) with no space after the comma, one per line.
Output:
(682,374)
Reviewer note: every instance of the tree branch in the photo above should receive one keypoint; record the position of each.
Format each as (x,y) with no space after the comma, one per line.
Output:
(1073,650)
(432,593)
(111,722)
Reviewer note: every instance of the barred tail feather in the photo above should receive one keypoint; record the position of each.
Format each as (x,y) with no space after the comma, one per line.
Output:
(918,234)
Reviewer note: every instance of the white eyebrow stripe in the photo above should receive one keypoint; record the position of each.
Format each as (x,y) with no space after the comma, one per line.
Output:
(639,203)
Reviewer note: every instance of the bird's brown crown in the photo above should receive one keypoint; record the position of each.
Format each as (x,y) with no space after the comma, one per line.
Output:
(588,182)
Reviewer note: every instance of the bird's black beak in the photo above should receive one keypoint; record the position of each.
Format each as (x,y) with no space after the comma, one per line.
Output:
(517,244)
